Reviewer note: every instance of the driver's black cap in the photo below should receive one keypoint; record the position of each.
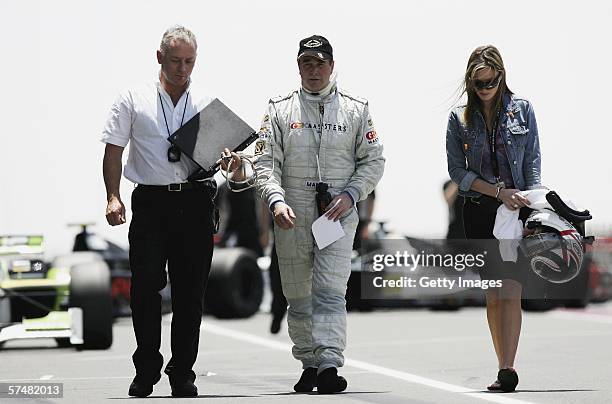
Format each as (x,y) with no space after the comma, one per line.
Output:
(316,46)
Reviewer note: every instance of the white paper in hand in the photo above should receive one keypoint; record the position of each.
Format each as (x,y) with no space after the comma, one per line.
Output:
(326,231)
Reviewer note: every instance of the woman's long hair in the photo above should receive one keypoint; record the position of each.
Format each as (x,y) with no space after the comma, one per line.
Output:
(483,57)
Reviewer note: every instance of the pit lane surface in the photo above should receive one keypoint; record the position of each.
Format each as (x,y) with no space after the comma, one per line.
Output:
(400,356)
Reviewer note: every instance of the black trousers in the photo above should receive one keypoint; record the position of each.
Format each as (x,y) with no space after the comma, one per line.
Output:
(173,228)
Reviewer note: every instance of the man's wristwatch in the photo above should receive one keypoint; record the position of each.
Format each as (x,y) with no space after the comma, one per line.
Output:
(273,204)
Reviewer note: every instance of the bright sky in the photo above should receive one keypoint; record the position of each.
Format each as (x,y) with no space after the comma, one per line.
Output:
(63,63)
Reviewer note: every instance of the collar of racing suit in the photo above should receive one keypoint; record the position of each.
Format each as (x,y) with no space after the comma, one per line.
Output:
(324,93)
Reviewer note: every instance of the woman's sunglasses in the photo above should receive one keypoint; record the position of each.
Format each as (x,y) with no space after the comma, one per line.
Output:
(487,85)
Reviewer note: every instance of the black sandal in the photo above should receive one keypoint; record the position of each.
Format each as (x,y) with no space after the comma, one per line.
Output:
(508,379)
(495,386)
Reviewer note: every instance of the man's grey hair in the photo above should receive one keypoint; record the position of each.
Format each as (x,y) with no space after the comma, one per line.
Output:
(177,33)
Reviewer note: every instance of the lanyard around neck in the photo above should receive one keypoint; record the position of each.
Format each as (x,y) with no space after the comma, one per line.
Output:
(492,136)
(164,111)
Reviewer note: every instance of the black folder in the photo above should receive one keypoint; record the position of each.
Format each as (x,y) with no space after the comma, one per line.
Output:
(211,130)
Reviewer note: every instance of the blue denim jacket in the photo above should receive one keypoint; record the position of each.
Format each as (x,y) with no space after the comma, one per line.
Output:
(464,146)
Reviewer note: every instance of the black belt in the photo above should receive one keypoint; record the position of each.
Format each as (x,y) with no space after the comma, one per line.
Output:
(484,201)
(184,186)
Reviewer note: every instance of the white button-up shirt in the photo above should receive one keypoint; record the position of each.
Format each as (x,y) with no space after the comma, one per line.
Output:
(137,118)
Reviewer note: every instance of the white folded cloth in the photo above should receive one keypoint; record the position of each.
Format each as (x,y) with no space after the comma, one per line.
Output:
(509,229)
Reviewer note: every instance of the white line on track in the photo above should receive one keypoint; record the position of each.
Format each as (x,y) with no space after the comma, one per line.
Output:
(396,374)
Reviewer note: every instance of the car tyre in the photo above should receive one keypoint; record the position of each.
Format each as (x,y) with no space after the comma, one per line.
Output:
(90,289)
(235,284)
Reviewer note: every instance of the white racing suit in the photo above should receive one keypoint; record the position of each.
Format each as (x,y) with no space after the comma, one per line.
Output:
(350,156)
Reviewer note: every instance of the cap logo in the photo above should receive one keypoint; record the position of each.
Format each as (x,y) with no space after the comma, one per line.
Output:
(313,43)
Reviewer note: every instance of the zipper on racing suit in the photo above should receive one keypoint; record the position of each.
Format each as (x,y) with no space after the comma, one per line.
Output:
(323,197)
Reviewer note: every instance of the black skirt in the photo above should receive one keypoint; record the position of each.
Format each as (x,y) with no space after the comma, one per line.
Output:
(478,222)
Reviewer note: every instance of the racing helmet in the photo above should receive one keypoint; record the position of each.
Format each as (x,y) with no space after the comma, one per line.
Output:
(555,249)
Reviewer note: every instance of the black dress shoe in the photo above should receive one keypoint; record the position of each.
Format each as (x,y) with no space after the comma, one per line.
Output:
(307,381)
(141,387)
(184,389)
(508,379)
(328,382)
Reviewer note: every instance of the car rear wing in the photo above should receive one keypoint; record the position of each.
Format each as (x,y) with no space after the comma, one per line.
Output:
(21,244)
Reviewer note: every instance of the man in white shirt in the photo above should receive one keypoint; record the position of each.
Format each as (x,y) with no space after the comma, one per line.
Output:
(172,219)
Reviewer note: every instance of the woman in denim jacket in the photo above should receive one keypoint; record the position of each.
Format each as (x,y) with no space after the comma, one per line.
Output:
(488,176)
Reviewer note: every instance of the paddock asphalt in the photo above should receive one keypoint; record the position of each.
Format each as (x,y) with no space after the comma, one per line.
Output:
(393,356)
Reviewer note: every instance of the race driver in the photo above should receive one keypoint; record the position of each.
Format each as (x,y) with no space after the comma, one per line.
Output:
(317,120)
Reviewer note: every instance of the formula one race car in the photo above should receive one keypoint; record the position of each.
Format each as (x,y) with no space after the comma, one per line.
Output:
(117,259)
(368,290)
(68,299)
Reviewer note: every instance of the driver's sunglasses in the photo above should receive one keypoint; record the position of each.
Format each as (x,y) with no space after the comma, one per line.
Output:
(487,85)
